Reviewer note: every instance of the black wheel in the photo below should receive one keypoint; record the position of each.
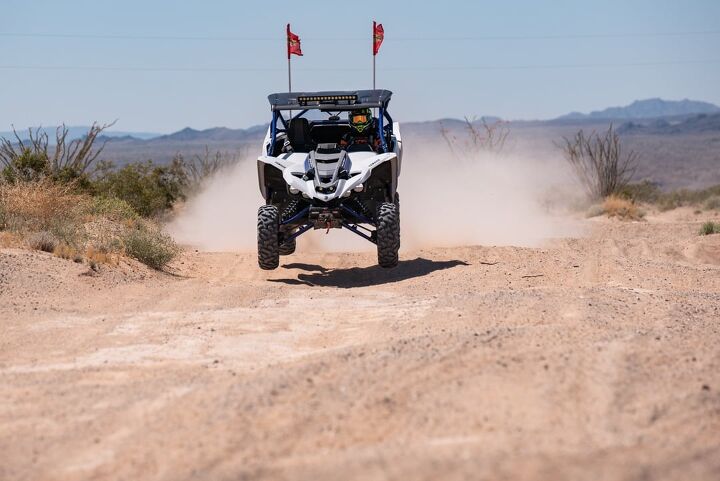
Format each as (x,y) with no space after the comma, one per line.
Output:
(287,248)
(267,234)
(388,234)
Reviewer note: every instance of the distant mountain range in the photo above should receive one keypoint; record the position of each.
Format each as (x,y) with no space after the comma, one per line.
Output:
(647,109)
(76,132)
(668,113)
(696,124)
(215,134)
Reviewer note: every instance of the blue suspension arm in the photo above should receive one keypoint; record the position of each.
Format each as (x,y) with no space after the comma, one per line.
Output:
(357,231)
(297,216)
(357,215)
(299,232)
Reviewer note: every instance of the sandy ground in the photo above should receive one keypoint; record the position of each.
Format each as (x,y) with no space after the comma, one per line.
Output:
(591,358)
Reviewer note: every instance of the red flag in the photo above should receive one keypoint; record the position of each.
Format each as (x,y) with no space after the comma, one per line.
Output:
(293,43)
(378,36)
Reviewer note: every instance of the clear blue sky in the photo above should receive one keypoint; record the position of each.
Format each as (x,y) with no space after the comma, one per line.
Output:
(515,58)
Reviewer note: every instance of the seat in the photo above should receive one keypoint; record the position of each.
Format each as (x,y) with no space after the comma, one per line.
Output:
(299,134)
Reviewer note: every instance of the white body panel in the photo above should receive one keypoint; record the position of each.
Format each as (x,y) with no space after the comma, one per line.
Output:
(360,166)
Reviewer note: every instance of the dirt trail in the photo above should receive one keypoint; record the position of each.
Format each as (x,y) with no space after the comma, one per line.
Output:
(591,358)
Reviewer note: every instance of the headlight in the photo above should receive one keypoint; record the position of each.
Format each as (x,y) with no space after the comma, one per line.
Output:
(358,188)
(294,190)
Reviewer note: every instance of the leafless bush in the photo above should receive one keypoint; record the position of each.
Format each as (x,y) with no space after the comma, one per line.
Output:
(201,167)
(33,158)
(599,163)
(486,137)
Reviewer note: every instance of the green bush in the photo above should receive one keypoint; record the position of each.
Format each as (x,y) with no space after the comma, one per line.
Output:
(147,188)
(710,228)
(28,166)
(150,246)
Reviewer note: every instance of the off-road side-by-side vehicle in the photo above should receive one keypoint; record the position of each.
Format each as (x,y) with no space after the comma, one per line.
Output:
(330,160)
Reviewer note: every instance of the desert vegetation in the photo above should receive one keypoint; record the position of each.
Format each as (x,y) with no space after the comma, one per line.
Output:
(61,197)
(606,173)
(618,207)
(480,137)
(599,162)
(650,193)
(632,202)
(710,228)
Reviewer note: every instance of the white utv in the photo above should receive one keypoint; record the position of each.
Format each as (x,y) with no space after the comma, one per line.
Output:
(311,177)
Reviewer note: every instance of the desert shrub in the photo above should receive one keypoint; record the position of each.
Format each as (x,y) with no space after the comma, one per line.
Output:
(479,138)
(42,241)
(66,251)
(621,208)
(687,197)
(96,257)
(201,167)
(112,208)
(147,188)
(27,166)
(648,192)
(70,231)
(599,163)
(52,216)
(150,245)
(710,228)
(712,203)
(38,206)
(34,159)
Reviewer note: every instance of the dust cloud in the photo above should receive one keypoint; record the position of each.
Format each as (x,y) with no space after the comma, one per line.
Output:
(223,215)
(493,199)
(508,199)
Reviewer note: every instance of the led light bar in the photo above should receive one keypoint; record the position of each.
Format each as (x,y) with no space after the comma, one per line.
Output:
(327,99)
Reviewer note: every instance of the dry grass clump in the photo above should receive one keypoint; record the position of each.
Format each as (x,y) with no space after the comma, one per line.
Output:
(37,206)
(65,251)
(709,228)
(96,257)
(624,209)
(11,239)
(614,206)
(42,241)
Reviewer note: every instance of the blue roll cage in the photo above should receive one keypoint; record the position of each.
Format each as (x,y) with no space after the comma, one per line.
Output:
(382,114)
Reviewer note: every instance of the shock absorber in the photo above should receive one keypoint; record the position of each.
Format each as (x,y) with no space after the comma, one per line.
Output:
(360,207)
(292,208)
